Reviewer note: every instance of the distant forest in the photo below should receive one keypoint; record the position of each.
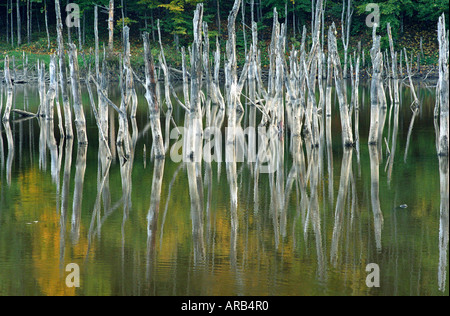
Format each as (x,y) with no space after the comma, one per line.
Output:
(26,21)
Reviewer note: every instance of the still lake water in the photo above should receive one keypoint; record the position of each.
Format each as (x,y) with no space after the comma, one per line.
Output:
(48,218)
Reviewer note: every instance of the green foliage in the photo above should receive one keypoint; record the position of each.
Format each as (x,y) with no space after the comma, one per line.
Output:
(124,22)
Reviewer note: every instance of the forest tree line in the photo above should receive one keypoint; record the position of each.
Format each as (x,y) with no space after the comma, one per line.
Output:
(27,21)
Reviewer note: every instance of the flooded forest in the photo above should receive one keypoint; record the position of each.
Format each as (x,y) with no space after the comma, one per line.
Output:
(224,176)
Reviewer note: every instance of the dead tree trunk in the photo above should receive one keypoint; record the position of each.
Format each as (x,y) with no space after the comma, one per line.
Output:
(130,92)
(111,27)
(51,94)
(80,120)
(41,84)
(19,26)
(150,95)
(9,91)
(343,104)
(97,62)
(443,86)
(63,73)
(345,27)
(377,62)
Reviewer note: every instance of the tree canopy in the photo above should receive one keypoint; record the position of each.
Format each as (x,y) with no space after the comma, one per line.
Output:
(176,15)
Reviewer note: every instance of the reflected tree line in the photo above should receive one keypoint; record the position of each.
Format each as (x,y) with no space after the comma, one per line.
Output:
(296,124)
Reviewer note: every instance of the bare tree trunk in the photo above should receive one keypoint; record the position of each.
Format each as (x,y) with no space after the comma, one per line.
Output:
(343,105)
(80,120)
(130,93)
(28,22)
(63,72)
(377,62)
(111,27)
(46,23)
(413,91)
(193,138)
(9,91)
(150,95)
(218,18)
(444,87)
(7,22)
(97,62)
(231,79)
(11,6)
(51,94)
(41,84)
(19,26)
(80,42)
(345,27)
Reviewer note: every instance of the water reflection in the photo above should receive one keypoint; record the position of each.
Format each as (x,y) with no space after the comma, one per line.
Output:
(10,157)
(375,194)
(302,228)
(153,214)
(443,226)
(78,193)
(340,204)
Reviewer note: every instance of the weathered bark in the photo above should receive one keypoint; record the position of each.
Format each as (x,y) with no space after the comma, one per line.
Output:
(416,102)
(80,120)
(345,27)
(63,72)
(150,95)
(343,105)
(377,62)
(41,85)
(130,93)
(111,27)
(9,90)
(102,137)
(394,66)
(97,61)
(51,94)
(444,87)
